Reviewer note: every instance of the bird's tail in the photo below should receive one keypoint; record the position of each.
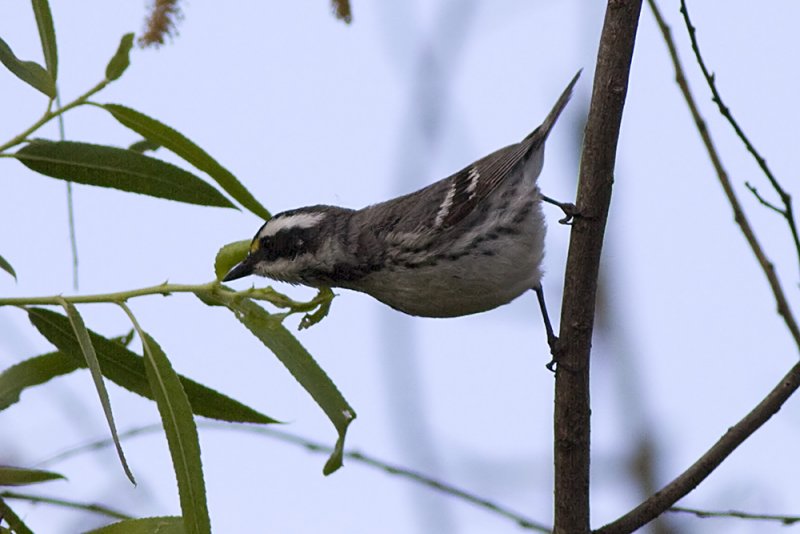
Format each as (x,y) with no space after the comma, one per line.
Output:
(544,129)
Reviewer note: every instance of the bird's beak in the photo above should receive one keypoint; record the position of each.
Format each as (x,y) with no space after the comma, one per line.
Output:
(245,268)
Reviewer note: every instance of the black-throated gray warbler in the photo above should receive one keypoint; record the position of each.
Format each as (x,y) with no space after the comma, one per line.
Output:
(465,244)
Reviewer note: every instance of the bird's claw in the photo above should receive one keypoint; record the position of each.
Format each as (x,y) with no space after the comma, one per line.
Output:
(569,209)
(570,213)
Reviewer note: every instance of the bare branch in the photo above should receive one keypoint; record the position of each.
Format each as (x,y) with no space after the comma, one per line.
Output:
(580,285)
(66,503)
(786,199)
(737,434)
(764,201)
(785,519)
(317,447)
(738,214)
(692,477)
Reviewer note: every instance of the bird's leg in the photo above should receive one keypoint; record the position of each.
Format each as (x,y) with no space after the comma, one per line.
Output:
(552,340)
(569,209)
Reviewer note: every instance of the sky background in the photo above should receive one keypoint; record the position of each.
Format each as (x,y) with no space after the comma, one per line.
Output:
(304,109)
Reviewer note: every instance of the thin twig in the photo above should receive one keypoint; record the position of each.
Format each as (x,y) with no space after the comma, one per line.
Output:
(317,447)
(764,201)
(572,351)
(786,199)
(785,519)
(99,444)
(65,503)
(50,114)
(722,175)
(73,238)
(73,235)
(737,434)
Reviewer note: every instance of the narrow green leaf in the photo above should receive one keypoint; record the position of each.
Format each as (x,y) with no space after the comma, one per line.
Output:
(145,525)
(126,369)
(143,146)
(119,169)
(7,267)
(125,340)
(29,72)
(47,34)
(181,431)
(121,60)
(228,256)
(82,335)
(269,330)
(17,525)
(173,140)
(15,476)
(32,372)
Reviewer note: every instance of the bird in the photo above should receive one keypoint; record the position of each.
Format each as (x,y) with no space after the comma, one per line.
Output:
(465,244)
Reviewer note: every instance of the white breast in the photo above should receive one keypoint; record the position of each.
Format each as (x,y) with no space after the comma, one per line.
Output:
(477,276)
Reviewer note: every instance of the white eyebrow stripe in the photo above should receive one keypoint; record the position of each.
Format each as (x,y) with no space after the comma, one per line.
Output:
(297,220)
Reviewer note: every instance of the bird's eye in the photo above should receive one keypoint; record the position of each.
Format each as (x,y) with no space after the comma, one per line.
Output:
(288,243)
(284,244)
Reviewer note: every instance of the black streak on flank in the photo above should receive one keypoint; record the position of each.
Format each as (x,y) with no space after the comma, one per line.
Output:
(508,230)
(523,213)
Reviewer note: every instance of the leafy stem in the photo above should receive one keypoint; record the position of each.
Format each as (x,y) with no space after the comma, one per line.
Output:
(50,114)
(320,302)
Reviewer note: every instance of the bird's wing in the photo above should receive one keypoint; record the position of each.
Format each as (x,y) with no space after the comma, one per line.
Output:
(469,186)
(414,221)
(477,181)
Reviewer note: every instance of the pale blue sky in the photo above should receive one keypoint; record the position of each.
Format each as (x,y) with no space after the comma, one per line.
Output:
(306,110)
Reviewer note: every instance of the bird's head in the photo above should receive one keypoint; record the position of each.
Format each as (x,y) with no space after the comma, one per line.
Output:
(300,246)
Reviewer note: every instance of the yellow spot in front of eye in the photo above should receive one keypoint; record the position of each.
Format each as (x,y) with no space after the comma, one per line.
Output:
(255,245)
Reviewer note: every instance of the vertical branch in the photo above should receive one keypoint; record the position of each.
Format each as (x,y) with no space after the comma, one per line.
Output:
(580,285)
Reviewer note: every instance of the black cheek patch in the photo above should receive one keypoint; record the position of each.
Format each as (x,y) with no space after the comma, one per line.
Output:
(290,243)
